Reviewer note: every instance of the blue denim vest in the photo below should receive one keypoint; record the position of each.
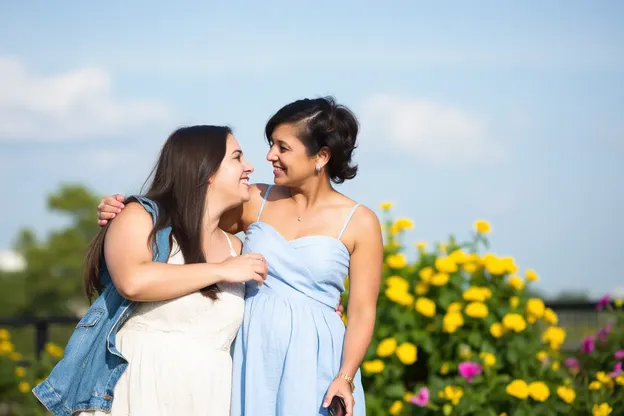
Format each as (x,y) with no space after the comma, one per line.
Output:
(86,376)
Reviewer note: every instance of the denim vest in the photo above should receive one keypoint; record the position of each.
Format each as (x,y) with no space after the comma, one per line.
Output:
(86,376)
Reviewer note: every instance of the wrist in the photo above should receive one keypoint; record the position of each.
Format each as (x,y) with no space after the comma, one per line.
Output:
(347,378)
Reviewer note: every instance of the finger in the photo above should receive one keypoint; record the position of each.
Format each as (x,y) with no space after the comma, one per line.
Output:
(349,403)
(328,398)
(119,197)
(112,202)
(256,256)
(108,208)
(261,270)
(102,223)
(106,215)
(340,308)
(258,278)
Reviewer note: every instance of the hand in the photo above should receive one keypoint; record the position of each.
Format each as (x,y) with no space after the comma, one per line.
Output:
(339,310)
(109,207)
(244,268)
(340,387)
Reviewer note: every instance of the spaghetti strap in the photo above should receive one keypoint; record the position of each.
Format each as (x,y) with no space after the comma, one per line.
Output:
(227,237)
(344,227)
(266,195)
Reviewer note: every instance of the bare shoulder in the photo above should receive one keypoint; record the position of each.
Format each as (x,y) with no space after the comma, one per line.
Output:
(236,242)
(365,220)
(133,215)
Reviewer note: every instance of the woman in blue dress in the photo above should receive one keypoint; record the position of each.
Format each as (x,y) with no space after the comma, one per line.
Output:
(293,353)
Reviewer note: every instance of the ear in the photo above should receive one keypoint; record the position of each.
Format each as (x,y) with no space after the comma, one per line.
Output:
(323,156)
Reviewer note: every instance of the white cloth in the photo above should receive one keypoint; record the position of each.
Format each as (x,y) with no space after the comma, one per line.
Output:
(179,355)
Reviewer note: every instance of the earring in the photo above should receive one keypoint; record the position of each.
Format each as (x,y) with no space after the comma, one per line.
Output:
(317,167)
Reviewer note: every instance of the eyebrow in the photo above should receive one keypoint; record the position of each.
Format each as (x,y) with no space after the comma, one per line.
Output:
(237,151)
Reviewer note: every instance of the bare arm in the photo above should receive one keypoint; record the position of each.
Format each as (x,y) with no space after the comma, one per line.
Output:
(364,281)
(128,257)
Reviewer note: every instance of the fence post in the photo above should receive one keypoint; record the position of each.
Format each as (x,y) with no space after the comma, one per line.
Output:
(41,336)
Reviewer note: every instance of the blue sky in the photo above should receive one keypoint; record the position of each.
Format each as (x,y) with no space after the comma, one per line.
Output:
(510,112)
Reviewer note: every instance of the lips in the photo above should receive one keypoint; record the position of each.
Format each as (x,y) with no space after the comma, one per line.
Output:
(245,180)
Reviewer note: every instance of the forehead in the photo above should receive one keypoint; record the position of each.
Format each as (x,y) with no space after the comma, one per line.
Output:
(232,144)
(285,133)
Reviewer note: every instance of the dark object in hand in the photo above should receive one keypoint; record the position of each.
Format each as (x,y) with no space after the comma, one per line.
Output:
(337,407)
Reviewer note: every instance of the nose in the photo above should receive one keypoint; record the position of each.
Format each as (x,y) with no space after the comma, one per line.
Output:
(271,156)
(249,167)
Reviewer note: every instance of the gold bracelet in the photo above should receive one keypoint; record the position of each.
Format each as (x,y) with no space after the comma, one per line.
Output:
(349,380)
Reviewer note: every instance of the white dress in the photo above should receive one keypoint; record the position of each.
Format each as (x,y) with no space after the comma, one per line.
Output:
(178,354)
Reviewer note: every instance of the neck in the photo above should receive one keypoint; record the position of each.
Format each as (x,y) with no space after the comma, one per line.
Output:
(213,210)
(309,193)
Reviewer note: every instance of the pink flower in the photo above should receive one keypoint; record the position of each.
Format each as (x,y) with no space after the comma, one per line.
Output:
(602,333)
(619,354)
(422,398)
(617,370)
(572,363)
(588,344)
(469,370)
(602,303)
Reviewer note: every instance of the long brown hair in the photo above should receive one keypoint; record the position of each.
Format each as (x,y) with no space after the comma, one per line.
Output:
(179,184)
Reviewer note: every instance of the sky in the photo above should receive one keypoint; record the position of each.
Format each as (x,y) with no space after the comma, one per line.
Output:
(506,111)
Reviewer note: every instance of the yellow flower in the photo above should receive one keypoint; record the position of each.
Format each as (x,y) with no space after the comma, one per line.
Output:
(446,265)
(20,372)
(404,224)
(550,316)
(618,302)
(425,274)
(535,307)
(426,307)
(539,391)
(470,267)
(594,385)
(454,307)
(514,301)
(542,355)
(509,264)
(516,282)
(399,296)
(408,396)
(476,310)
(555,336)
(452,321)
(421,288)
(345,319)
(489,359)
(459,256)
(518,389)
(444,369)
(6,347)
(477,294)
(16,356)
(602,409)
(398,282)
(566,394)
(497,330)
(439,279)
(24,386)
(495,266)
(482,226)
(407,353)
(555,366)
(531,275)
(396,408)
(396,261)
(620,380)
(5,335)
(421,245)
(386,206)
(605,379)
(373,367)
(514,322)
(453,394)
(386,347)
(447,409)
(54,350)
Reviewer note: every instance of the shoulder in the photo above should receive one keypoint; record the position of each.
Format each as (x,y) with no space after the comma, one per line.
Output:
(236,242)
(133,214)
(259,192)
(365,219)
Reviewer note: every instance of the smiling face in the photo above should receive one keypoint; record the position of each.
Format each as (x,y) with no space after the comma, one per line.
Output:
(291,163)
(231,182)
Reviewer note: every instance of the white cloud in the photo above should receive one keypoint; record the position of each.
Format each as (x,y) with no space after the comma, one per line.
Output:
(74,105)
(433,132)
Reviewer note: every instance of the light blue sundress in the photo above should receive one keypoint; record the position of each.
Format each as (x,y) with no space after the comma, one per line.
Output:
(289,347)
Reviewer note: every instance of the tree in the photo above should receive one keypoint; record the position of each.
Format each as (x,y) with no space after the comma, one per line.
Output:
(52,283)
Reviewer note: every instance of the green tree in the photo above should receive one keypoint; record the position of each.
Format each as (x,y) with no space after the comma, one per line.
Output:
(52,284)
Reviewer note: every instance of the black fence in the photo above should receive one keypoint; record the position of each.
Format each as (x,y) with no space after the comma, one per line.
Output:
(578,318)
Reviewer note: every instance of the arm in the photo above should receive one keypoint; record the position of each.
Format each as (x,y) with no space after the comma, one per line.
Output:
(128,257)
(364,281)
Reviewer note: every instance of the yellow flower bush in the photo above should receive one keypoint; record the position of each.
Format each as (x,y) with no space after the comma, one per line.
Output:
(458,333)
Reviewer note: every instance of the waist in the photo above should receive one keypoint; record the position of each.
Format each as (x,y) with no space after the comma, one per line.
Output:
(275,287)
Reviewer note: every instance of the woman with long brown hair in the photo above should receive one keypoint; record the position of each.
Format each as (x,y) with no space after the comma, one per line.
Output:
(170,286)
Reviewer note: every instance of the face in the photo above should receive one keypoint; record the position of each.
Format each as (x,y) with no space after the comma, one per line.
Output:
(288,155)
(231,181)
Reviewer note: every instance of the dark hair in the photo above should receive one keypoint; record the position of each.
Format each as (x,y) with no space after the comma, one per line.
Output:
(179,185)
(322,123)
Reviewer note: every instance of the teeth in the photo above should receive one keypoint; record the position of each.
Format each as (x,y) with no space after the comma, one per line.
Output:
(245,181)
